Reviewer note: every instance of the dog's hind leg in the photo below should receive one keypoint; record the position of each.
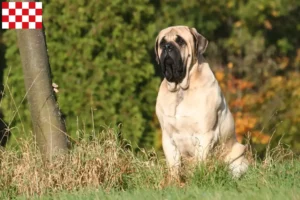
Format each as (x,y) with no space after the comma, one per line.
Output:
(236,159)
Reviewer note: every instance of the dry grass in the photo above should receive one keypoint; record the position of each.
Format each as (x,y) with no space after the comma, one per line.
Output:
(100,162)
(105,162)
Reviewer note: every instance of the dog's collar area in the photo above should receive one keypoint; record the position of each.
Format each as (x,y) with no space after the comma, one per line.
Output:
(175,87)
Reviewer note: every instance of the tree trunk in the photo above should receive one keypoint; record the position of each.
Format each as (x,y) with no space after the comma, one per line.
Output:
(48,126)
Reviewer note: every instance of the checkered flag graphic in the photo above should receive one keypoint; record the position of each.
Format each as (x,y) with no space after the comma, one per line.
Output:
(22,15)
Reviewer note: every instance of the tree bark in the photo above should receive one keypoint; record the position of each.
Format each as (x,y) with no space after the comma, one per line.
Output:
(48,126)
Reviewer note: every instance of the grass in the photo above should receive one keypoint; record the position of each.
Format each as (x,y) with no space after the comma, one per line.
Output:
(103,168)
(192,192)
(280,181)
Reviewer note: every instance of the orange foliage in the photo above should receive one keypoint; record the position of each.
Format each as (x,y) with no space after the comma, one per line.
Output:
(232,84)
(246,123)
(258,137)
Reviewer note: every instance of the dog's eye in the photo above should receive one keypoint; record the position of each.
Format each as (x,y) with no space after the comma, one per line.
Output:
(163,43)
(179,40)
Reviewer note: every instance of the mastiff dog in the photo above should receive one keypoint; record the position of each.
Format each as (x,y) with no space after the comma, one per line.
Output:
(190,107)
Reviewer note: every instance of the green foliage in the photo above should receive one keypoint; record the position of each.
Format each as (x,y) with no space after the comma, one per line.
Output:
(101,55)
(99,58)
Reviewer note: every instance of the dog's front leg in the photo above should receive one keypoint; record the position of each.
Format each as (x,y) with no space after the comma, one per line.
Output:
(203,145)
(172,155)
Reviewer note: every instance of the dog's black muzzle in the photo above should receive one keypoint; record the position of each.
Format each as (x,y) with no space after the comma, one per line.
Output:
(172,64)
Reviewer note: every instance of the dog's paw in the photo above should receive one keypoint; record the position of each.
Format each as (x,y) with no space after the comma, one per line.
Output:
(239,167)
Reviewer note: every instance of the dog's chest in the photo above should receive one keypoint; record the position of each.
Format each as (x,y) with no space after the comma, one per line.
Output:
(185,113)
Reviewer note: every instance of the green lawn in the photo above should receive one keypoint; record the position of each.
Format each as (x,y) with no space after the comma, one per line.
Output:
(276,181)
(190,192)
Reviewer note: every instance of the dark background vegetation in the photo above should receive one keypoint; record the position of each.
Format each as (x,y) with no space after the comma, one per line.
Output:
(102,58)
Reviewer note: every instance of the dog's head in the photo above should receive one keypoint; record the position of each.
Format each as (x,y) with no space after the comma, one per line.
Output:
(177,48)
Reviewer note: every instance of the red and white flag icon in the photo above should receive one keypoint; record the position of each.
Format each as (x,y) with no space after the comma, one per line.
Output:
(22,15)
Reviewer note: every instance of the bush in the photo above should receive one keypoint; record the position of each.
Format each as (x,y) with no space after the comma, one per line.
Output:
(99,58)
(101,55)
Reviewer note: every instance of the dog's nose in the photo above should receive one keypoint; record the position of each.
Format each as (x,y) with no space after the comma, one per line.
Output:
(168,47)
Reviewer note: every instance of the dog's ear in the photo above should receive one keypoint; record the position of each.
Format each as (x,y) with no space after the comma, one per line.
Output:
(156,50)
(200,41)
